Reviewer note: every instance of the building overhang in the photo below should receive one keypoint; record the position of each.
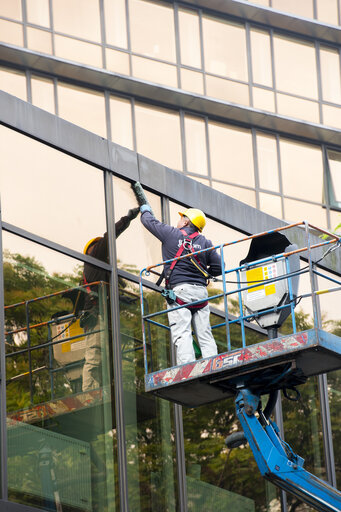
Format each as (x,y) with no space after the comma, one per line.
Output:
(255,13)
(97,151)
(167,96)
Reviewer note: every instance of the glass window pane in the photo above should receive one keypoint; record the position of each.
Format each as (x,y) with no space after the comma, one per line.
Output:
(335,220)
(302,170)
(149,424)
(189,38)
(79,18)
(303,427)
(115,22)
(263,99)
(244,195)
(117,61)
(38,12)
(331,116)
(78,51)
(83,107)
(152,29)
(295,211)
(121,121)
(13,82)
(315,214)
(227,90)
(249,493)
(327,11)
(295,59)
(270,204)
(52,199)
(11,33)
(334,162)
(267,162)
(39,40)
(192,81)
(196,152)
(231,154)
(136,247)
(302,8)
(11,9)
(54,421)
(261,57)
(158,135)
(330,310)
(43,93)
(225,48)
(298,108)
(154,71)
(330,73)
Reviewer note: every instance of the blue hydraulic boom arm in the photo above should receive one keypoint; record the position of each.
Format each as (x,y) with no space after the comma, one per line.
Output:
(275,459)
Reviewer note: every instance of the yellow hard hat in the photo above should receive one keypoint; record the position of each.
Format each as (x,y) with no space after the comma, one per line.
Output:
(89,243)
(197,217)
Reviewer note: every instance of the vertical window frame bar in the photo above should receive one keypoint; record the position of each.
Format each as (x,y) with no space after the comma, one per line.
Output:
(116,346)
(3,407)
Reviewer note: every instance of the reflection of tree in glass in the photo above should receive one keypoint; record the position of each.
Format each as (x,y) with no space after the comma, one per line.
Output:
(26,279)
(149,431)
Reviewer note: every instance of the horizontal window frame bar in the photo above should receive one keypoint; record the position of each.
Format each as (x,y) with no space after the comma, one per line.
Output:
(167,97)
(22,233)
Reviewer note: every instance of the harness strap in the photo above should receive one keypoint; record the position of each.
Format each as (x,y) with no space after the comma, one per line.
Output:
(179,253)
(182,246)
(194,307)
(89,291)
(85,282)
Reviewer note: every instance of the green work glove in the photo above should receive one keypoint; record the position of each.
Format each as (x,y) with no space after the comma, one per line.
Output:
(139,193)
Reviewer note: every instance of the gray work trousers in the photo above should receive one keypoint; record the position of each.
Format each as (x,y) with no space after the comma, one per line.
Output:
(181,322)
(92,368)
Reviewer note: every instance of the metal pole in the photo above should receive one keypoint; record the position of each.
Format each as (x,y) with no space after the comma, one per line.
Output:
(324,407)
(280,424)
(116,347)
(228,338)
(3,412)
(241,310)
(311,274)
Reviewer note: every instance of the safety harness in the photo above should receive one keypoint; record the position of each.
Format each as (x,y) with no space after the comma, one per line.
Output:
(169,295)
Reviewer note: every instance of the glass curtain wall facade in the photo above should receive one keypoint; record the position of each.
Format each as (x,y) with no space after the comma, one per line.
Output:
(206,107)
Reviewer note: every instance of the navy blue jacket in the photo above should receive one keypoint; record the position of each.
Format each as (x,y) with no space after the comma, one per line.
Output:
(172,238)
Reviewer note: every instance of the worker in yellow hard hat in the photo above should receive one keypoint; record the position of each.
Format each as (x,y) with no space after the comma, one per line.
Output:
(187,278)
(197,217)
(98,248)
(91,242)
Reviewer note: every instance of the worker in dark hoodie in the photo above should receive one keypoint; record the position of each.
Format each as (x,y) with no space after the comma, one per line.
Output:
(186,278)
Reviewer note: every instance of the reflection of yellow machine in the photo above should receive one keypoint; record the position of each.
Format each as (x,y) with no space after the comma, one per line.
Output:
(71,350)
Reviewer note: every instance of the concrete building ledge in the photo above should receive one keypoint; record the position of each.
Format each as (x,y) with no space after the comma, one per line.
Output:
(256,13)
(168,97)
(62,135)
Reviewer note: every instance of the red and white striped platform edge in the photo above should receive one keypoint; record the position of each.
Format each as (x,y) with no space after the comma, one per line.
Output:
(228,360)
(57,407)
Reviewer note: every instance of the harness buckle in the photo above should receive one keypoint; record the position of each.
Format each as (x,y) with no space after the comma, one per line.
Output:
(187,244)
(169,295)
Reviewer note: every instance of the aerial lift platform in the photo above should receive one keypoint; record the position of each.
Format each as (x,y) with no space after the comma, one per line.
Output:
(267,292)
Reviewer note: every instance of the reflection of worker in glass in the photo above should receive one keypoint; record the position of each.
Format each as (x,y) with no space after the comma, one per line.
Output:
(90,321)
(187,278)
